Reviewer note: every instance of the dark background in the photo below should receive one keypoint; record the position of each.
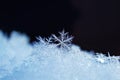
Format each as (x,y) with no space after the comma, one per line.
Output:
(94,23)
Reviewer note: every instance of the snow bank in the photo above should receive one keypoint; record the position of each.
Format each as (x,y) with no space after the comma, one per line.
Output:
(54,58)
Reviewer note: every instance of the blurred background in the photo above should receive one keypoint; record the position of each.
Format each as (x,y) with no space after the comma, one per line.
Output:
(93,23)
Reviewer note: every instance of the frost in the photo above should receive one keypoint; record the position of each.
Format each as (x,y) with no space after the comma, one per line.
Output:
(53,58)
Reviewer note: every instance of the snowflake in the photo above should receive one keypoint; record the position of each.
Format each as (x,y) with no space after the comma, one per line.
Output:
(107,59)
(101,58)
(45,41)
(63,41)
(113,59)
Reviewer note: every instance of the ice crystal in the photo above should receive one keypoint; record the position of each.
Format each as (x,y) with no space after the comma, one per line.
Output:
(101,58)
(63,41)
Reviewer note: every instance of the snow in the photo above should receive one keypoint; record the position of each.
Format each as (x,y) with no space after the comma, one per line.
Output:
(45,60)
(13,52)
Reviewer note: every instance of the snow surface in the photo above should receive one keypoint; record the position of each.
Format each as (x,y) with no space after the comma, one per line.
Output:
(48,60)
